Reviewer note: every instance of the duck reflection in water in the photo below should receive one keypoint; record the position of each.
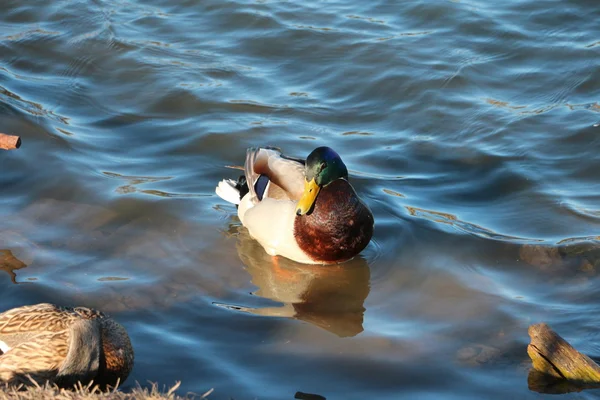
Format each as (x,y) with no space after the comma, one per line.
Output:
(329,296)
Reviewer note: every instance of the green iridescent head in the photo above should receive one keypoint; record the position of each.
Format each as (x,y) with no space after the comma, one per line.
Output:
(323,166)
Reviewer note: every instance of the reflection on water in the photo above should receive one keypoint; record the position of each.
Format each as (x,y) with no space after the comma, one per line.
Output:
(18,253)
(569,255)
(330,297)
(471,130)
(10,263)
(452,220)
(104,247)
(543,383)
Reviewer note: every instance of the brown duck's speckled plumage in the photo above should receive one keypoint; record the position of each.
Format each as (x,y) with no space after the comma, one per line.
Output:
(63,345)
(339,227)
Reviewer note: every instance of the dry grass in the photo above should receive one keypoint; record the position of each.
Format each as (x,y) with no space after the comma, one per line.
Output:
(49,392)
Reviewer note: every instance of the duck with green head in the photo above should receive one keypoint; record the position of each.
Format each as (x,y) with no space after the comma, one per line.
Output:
(305,210)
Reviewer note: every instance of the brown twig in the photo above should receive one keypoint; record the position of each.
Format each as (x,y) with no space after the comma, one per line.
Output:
(9,142)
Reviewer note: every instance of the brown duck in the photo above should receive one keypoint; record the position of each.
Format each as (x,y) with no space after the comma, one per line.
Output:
(63,346)
(306,211)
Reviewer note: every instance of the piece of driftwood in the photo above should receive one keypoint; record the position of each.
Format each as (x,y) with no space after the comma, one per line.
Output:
(552,355)
(9,142)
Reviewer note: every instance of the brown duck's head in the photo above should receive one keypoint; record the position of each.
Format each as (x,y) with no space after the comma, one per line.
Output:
(323,166)
(116,360)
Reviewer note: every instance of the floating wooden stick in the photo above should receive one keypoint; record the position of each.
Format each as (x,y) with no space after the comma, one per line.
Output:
(553,355)
(9,142)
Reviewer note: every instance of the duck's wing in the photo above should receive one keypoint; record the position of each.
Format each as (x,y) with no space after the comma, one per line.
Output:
(48,342)
(37,359)
(273,175)
(19,324)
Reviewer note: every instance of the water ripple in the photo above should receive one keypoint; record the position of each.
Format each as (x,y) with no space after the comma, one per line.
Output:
(468,127)
(30,107)
(463,226)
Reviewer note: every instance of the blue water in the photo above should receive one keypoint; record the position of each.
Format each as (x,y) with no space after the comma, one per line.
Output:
(471,129)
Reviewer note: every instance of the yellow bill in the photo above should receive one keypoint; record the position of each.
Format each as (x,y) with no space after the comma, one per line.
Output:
(311,190)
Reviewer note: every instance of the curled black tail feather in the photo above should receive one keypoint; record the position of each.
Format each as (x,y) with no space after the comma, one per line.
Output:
(242,186)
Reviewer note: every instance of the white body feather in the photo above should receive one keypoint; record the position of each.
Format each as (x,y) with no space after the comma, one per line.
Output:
(227,191)
(271,220)
(271,223)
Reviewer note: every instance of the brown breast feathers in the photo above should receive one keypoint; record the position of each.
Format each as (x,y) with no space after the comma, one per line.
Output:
(339,227)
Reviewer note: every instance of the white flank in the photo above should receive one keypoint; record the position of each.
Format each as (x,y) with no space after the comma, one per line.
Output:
(4,347)
(227,191)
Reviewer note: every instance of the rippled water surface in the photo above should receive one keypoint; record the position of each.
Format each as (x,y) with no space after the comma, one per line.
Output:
(469,127)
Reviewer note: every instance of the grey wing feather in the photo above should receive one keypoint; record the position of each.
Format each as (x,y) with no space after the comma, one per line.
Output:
(47,342)
(285,172)
(38,359)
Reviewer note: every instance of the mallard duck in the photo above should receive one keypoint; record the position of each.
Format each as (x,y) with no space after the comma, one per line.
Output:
(306,211)
(63,346)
